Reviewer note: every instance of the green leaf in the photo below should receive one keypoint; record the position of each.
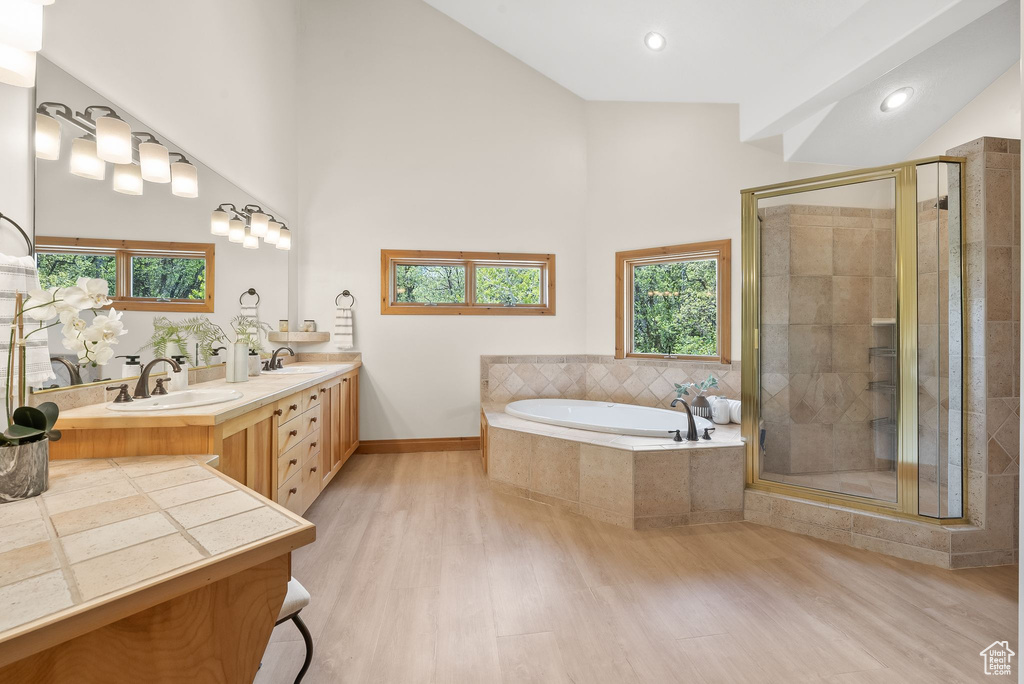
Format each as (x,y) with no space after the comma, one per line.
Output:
(50,411)
(53,435)
(17,433)
(30,417)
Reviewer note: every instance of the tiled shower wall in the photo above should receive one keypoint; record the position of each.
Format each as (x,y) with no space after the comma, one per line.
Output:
(827,273)
(647,382)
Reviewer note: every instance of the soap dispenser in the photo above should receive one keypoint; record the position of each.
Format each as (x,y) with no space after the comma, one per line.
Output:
(179,381)
(131,368)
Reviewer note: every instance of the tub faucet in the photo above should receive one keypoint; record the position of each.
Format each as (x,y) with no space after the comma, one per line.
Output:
(691,431)
(142,388)
(74,373)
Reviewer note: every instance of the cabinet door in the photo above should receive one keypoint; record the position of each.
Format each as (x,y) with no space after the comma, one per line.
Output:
(350,388)
(247,447)
(330,431)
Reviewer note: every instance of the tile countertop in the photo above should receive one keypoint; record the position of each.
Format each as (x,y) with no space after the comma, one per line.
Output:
(256,392)
(723,436)
(112,537)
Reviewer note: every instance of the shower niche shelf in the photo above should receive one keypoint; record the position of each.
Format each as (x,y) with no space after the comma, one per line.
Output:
(887,352)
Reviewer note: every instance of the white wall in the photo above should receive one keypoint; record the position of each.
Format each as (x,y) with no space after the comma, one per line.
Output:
(663,174)
(17,116)
(217,77)
(436,140)
(994,112)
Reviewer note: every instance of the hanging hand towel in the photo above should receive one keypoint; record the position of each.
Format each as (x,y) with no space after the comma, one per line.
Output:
(344,328)
(18,274)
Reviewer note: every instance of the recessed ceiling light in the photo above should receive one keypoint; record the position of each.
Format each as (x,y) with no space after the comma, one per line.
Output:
(896,98)
(655,41)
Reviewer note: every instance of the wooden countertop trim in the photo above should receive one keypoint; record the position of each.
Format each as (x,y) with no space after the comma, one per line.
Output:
(97,416)
(56,628)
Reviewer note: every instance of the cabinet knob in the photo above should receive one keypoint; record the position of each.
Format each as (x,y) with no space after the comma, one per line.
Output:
(312,445)
(344,379)
(313,469)
(293,461)
(278,412)
(293,433)
(322,390)
(312,397)
(293,490)
(313,419)
(294,407)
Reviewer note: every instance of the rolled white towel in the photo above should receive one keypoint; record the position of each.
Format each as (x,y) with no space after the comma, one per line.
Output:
(735,411)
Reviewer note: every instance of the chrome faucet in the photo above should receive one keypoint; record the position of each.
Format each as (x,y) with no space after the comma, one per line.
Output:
(691,432)
(275,363)
(142,388)
(74,372)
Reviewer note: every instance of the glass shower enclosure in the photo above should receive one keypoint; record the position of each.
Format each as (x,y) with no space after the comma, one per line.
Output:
(852,338)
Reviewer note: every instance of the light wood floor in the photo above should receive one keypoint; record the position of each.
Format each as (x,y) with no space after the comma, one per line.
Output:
(421,574)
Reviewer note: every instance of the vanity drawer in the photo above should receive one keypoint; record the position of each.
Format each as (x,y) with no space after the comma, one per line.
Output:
(291,494)
(310,398)
(290,407)
(294,431)
(310,481)
(292,460)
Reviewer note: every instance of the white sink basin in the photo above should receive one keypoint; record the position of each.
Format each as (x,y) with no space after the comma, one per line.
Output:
(298,370)
(178,400)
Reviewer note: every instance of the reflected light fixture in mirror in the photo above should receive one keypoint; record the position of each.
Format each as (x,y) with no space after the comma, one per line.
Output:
(285,240)
(236,231)
(258,223)
(220,222)
(128,179)
(47,137)
(21,25)
(273,233)
(17,67)
(84,161)
(113,139)
(896,98)
(154,159)
(184,178)
(250,241)
(654,41)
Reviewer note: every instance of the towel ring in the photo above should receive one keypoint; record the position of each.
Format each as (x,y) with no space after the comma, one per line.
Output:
(250,291)
(28,240)
(345,293)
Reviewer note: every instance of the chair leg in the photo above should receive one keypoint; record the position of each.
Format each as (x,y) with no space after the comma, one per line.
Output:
(309,646)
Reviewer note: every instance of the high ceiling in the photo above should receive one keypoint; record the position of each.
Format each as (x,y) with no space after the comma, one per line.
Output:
(814,71)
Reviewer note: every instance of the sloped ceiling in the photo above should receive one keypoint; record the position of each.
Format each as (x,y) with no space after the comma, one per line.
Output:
(814,72)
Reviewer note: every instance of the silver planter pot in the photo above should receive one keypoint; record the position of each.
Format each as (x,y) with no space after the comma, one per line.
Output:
(24,470)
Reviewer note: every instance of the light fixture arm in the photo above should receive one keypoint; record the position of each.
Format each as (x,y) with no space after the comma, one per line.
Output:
(106,111)
(145,137)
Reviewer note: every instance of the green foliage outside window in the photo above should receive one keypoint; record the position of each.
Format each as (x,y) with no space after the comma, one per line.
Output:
(507,285)
(424,284)
(675,308)
(169,277)
(64,270)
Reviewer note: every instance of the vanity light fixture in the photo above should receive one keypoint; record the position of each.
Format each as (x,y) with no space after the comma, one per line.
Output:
(17,67)
(128,179)
(896,98)
(250,241)
(113,136)
(220,222)
(47,137)
(285,241)
(43,2)
(236,231)
(655,41)
(258,221)
(21,37)
(84,161)
(273,233)
(184,177)
(153,158)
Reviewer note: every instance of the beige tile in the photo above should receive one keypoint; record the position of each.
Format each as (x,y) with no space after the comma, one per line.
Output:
(508,456)
(99,514)
(905,551)
(756,501)
(192,491)
(606,478)
(851,300)
(775,349)
(128,566)
(714,517)
(214,508)
(69,501)
(774,300)
(717,479)
(775,246)
(662,483)
(136,466)
(178,476)
(810,300)
(67,480)
(555,467)
(33,598)
(22,534)
(19,511)
(229,533)
(854,446)
(811,448)
(810,250)
(606,516)
(810,529)
(852,251)
(999,206)
(998,266)
(27,561)
(656,522)
(811,512)
(810,349)
(554,501)
(98,541)
(927,536)
(850,348)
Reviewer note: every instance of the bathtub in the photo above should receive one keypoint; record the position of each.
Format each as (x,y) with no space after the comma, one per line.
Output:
(603,416)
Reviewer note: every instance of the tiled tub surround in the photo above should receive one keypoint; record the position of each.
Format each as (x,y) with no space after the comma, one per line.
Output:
(646,382)
(634,482)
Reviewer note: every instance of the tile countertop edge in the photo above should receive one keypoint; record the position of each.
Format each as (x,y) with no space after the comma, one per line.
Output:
(88,416)
(56,628)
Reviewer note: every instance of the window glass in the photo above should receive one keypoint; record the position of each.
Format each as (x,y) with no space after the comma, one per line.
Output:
(168,277)
(64,270)
(675,308)
(508,285)
(430,284)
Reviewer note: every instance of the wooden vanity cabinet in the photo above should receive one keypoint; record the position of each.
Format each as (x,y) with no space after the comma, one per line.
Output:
(247,446)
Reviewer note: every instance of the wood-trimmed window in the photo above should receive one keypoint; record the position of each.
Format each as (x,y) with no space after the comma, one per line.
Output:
(143,276)
(673,302)
(418,282)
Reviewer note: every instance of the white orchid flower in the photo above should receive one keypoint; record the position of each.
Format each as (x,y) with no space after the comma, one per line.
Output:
(96,292)
(40,305)
(102,355)
(106,328)
(74,344)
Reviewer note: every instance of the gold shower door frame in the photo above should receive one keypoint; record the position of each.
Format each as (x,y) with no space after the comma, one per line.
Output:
(905,177)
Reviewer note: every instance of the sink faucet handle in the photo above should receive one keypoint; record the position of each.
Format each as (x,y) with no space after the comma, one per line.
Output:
(122,394)
(707,432)
(678,437)
(160,389)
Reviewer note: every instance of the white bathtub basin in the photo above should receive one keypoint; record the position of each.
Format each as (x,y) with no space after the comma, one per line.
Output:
(604,416)
(179,400)
(297,370)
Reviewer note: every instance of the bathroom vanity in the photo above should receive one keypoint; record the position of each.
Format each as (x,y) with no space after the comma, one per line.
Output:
(142,569)
(286,437)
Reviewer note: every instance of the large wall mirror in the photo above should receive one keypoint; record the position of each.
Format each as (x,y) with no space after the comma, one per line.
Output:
(155,250)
